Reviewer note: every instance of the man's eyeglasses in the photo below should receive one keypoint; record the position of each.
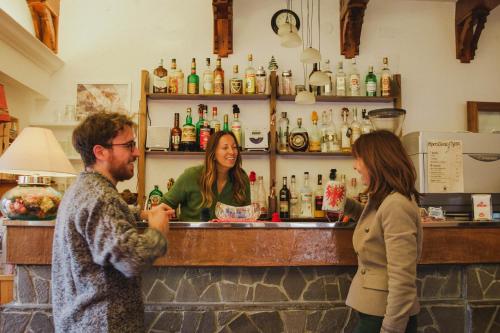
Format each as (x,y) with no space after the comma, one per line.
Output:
(131,145)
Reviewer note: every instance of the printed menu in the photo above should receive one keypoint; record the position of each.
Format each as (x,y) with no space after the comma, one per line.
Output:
(445,166)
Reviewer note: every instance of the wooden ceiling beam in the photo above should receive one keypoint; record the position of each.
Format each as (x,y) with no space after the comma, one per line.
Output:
(223,27)
(351,21)
(470,18)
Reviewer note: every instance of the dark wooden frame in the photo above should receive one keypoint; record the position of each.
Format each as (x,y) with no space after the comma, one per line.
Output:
(473,109)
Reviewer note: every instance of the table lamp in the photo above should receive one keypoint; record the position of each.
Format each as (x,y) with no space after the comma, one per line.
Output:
(35,155)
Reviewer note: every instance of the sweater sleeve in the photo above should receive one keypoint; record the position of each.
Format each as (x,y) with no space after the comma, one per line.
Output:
(113,240)
(400,228)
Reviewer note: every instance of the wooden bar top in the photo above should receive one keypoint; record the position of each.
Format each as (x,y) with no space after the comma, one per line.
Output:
(291,244)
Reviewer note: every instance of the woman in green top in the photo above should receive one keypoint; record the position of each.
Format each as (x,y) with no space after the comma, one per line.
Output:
(221,178)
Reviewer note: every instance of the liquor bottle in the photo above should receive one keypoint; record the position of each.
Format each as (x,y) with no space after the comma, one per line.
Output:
(318,198)
(366,125)
(327,132)
(175,135)
(236,124)
(177,212)
(214,123)
(345,133)
(260,80)
(225,127)
(218,78)
(298,140)
(371,83)
(252,177)
(327,205)
(355,127)
(316,90)
(193,80)
(173,84)
(284,201)
(341,80)
(306,198)
(160,79)
(315,135)
(328,89)
(385,79)
(272,202)
(155,196)
(336,138)
(294,200)
(283,126)
(354,79)
(204,135)
(262,198)
(188,137)
(250,77)
(208,79)
(198,125)
(236,83)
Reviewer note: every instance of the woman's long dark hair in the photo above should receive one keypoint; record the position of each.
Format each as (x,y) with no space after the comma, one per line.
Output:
(209,175)
(389,167)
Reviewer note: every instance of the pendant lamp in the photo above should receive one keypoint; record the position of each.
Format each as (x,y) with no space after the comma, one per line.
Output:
(305,97)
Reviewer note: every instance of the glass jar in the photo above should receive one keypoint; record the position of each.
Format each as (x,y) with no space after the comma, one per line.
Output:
(260,80)
(299,88)
(32,199)
(286,83)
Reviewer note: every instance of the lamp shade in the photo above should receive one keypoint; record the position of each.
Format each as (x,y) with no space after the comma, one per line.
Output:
(319,78)
(310,56)
(36,152)
(291,40)
(286,28)
(305,97)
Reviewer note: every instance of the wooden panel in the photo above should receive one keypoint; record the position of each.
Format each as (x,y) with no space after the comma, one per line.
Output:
(141,161)
(6,289)
(29,245)
(473,109)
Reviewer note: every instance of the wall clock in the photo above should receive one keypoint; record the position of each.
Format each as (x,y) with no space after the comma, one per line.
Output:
(281,16)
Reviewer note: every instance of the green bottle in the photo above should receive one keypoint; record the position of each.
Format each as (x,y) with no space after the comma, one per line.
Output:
(225,127)
(199,123)
(155,196)
(193,80)
(371,83)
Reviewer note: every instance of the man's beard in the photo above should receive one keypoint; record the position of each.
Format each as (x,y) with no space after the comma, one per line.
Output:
(121,173)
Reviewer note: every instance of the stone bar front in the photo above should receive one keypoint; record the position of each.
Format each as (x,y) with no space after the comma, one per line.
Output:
(273,278)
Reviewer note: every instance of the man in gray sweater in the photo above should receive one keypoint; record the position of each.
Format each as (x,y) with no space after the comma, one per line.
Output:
(98,254)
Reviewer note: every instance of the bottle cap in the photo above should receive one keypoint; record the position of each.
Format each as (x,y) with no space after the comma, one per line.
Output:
(252,176)
(314,116)
(275,217)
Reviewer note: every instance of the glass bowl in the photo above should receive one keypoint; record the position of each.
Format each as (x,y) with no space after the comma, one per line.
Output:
(387,119)
(229,213)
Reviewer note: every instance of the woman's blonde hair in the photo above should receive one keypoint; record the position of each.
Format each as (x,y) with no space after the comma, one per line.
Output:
(389,167)
(209,174)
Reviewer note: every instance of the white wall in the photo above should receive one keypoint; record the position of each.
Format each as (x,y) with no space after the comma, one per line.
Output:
(110,41)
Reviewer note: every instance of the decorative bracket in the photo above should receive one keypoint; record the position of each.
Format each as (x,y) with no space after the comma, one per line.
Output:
(470,18)
(223,27)
(351,21)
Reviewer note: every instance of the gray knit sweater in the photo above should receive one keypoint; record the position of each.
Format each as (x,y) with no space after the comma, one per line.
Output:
(97,258)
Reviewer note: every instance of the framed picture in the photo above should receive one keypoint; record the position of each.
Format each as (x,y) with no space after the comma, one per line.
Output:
(483,117)
(98,97)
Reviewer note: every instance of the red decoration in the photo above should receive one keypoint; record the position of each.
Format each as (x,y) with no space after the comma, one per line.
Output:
(4,113)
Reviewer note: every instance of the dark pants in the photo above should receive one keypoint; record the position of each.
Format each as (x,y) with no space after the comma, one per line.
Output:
(372,324)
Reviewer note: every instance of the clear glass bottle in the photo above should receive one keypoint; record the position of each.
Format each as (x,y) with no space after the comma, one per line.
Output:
(236,125)
(314,134)
(341,80)
(193,81)
(287,83)
(328,133)
(298,139)
(262,198)
(250,77)
(284,201)
(316,90)
(218,78)
(236,83)
(354,80)
(371,82)
(385,79)
(283,127)
(188,137)
(318,198)
(173,83)
(208,79)
(366,125)
(260,80)
(306,206)
(328,89)
(160,79)
(214,122)
(345,133)
(294,199)
(355,126)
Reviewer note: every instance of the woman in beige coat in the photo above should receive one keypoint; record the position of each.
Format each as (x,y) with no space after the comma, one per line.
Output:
(387,238)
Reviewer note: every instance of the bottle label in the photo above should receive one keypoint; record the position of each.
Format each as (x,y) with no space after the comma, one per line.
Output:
(208,87)
(341,86)
(250,83)
(236,129)
(315,146)
(174,85)
(192,88)
(354,84)
(298,141)
(371,88)
(160,84)
(346,141)
(216,128)
(318,202)
(260,84)
(176,140)
(155,199)
(218,84)
(236,86)
(306,204)
(284,206)
(188,134)
(386,85)
(204,137)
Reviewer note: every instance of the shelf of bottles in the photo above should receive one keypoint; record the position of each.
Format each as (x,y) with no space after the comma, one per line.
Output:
(344,99)
(199,153)
(310,153)
(226,97)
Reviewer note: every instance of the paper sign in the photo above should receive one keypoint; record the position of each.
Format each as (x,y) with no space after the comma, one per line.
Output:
(445,168)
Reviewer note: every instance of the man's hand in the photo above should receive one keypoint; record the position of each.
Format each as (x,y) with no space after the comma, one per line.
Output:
(158,218)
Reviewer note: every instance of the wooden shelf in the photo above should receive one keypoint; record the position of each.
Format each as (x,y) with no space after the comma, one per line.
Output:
(55,125)
(308,153)
(345,99)
(164,96)
(199,153)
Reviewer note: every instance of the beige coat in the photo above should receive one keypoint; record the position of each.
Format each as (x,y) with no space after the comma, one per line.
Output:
(388,243)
